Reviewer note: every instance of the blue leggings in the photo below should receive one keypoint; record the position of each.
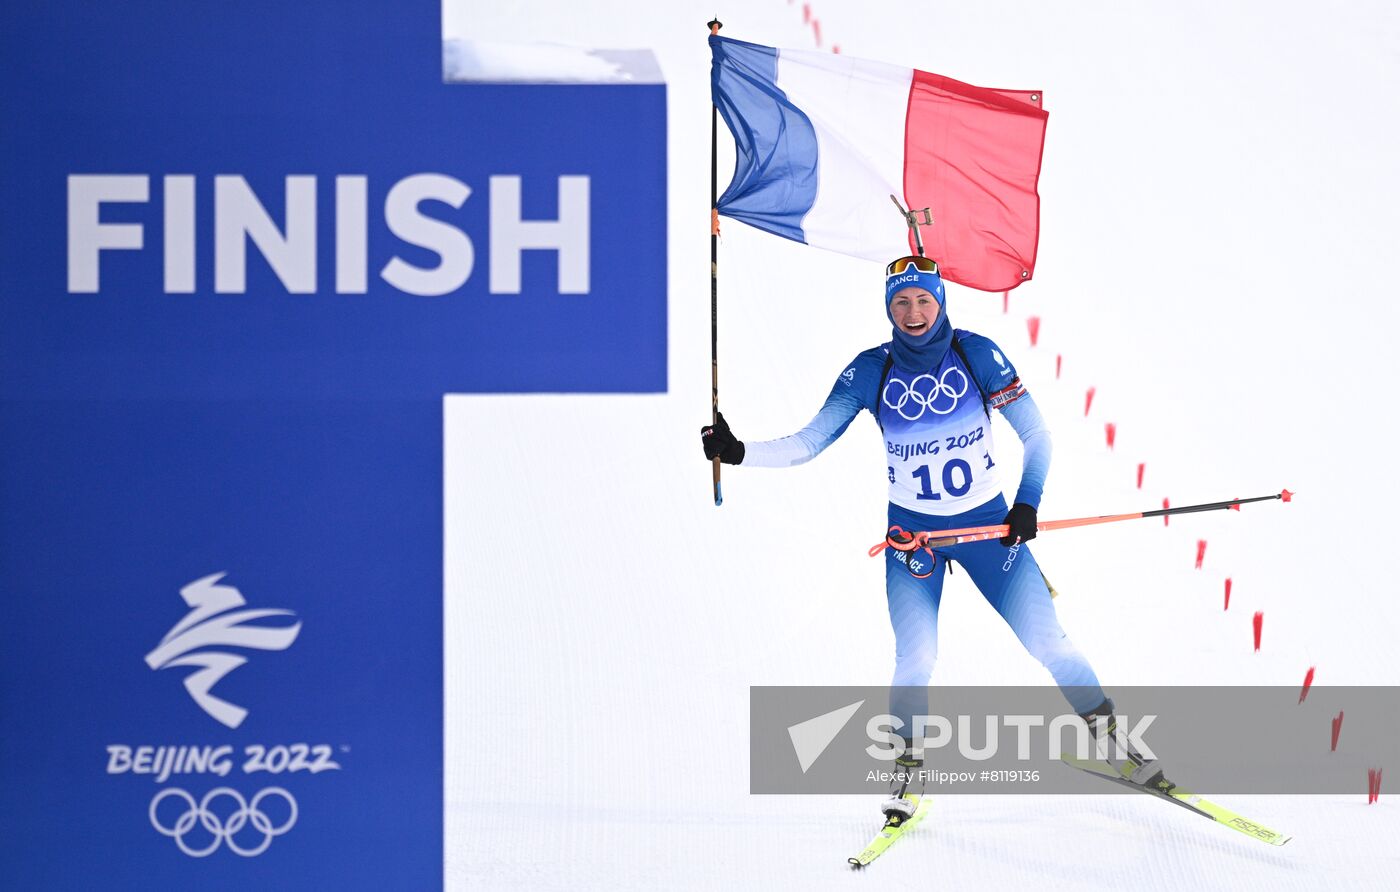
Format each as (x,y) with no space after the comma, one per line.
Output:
(1011,582)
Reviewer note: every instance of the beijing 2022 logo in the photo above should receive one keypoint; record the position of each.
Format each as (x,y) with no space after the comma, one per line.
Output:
(209,625)
(223,816)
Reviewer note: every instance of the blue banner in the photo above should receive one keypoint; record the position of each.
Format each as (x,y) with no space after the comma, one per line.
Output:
(245,250)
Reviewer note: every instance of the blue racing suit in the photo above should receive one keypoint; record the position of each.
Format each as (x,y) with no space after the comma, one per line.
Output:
(943,475)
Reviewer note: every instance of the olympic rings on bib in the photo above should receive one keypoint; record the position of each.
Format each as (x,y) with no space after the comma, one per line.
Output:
(941,396)
(223,829)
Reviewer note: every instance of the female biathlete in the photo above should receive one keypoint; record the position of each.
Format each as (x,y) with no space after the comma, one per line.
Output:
(931,389)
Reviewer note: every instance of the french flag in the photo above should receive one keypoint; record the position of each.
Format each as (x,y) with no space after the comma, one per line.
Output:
(822,141)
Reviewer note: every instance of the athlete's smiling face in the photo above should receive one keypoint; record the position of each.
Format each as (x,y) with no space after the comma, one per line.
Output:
(914,310)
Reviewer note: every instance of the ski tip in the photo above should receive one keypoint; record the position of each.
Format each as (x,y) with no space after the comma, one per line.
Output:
(855,863)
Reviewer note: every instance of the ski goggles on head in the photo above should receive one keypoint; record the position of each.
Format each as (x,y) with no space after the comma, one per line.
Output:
(920,264)
(918,272)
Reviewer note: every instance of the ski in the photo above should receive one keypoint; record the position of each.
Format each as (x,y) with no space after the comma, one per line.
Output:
(1188,800)
(889,834)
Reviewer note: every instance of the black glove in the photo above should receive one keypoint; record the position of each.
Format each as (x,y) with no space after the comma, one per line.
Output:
(1021,520)
(718,440)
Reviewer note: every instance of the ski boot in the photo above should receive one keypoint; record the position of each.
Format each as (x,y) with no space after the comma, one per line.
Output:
(906,790)
(1130,765)
(903,810)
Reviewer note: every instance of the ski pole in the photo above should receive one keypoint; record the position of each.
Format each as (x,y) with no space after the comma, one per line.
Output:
(900,540)
(714,26)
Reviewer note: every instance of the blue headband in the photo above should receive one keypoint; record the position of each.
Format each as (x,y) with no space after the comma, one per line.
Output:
(912,278)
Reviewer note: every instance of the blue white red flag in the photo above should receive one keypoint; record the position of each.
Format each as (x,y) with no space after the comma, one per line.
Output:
(823,140)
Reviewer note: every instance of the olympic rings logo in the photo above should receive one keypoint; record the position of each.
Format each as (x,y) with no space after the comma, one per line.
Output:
(933,400)
(224,828)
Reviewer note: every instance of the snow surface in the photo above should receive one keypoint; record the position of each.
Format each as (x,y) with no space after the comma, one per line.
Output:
(1218,223)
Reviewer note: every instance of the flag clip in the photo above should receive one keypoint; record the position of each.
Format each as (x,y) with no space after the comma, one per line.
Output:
(912,218)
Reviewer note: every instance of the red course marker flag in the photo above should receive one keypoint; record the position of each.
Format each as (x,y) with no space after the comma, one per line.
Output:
(1033,326)
(1058,358)
(1307,683)
(1005,302)
(1088,400)
(1373,785)
(1229,583)
(1336,729)
(1110,431)
(1258,629)
(1142,466)
(1200,552)
(1166,518)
